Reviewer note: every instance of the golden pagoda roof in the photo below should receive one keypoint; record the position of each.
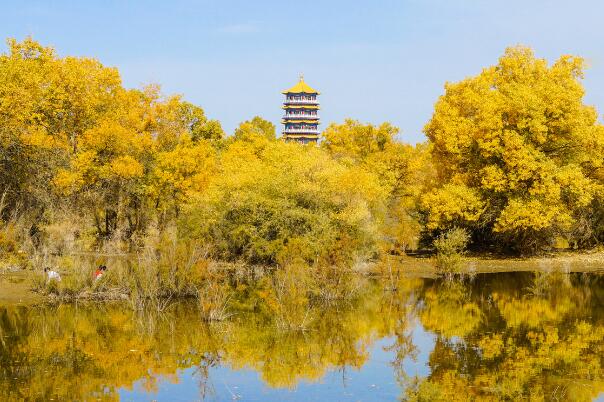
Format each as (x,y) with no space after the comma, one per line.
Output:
(301,88)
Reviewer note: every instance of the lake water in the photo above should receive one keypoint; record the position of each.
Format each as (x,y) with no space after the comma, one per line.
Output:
(491,337)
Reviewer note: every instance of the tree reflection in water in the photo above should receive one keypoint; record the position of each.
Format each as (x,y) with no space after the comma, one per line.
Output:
(497,337)
(514,336)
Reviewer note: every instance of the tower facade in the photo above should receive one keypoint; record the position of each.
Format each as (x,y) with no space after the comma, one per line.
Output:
(301,119)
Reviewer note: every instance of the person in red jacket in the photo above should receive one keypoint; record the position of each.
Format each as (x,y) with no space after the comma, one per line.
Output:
(99,272)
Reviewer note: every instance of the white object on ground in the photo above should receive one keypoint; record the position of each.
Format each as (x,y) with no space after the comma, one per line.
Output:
(53,275)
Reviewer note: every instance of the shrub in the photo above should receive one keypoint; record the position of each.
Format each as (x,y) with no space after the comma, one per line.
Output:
(150,278)
(269,201)
(76,276)
(288,297)
(213,299)
(159,274)
(450,248)
(11,254)
(78,280)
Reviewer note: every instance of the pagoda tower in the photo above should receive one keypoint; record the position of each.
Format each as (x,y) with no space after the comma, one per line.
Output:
(301,119)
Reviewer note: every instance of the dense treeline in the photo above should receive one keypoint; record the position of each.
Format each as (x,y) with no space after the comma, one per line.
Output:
(514,158)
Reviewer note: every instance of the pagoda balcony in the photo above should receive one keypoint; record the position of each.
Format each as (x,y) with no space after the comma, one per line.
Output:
(301,102)
(301,131)
(301,116)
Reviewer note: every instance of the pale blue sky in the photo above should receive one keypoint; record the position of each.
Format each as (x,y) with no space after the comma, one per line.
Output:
(375,61)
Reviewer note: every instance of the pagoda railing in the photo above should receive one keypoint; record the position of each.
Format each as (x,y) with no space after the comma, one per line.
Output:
(302,101)
(300,131)
(301,116)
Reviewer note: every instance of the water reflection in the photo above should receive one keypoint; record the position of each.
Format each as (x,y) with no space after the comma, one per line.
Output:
(494,337)
(512,336)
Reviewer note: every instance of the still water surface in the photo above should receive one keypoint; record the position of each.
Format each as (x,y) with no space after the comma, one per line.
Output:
(494,337)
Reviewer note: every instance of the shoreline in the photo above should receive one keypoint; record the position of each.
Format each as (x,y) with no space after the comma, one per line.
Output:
(16,289)
(566,262)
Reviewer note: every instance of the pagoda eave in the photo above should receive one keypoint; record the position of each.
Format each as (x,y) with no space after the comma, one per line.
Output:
(301,121)
(313,107)
(298,135)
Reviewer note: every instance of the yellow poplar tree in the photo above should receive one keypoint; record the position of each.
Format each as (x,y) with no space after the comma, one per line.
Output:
(257,127)
(518,153)
(401,168)
(46,105)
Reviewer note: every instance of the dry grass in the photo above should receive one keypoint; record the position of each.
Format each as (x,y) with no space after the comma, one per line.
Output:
(563,261)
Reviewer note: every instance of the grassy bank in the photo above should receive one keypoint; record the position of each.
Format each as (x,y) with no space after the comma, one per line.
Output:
(562,261)
(151,282)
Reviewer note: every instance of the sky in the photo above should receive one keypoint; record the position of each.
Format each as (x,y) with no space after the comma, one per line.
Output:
(375,61)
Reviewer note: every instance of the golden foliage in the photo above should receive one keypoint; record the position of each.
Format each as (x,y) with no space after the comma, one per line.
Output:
(269,197)
(535,343)
(516,150)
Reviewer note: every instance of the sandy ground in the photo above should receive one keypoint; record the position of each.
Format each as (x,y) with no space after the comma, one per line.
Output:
(561,262)
(15,289)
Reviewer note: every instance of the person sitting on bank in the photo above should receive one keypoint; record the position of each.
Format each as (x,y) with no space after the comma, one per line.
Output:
(99,272)
(52,275)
